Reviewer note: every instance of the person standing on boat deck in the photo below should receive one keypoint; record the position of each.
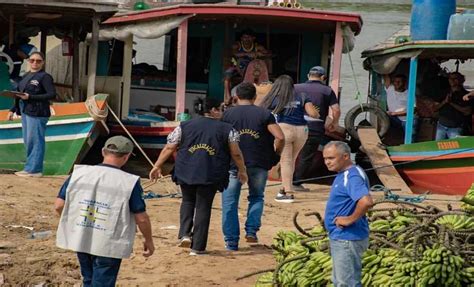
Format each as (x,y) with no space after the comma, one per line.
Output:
(289,108)
(345,220)
(325,100)
(100,207)
(454,111)
(38,89)
(243,52)
(205,147)
(261,142)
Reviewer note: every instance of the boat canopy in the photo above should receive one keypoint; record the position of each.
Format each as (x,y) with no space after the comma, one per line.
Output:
(299,19)
(57,16)
(384,57)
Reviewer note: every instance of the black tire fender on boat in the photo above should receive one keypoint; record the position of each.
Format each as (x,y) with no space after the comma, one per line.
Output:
(383,121)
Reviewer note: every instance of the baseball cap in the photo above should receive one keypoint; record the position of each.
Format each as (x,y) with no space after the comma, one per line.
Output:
(317,70)
(119,144)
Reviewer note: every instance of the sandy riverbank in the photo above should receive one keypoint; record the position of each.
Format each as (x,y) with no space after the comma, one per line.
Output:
(28,202)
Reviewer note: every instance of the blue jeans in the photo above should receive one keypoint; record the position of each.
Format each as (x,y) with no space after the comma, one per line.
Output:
(34,130)
(347,261)
(443,132)
(98,271)
(397,123)
(257,179)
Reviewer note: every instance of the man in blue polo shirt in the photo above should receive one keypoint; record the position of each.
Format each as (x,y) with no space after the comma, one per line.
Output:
(345,218)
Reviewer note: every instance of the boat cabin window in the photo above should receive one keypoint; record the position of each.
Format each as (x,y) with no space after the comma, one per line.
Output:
(155,60)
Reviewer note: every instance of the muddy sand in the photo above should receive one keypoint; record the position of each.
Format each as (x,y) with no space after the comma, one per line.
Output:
(28,203)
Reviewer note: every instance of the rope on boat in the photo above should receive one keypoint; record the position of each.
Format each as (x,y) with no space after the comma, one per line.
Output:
(94,111)
(130,135)
(374,168)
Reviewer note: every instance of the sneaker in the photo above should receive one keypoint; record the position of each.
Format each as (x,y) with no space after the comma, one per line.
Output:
(231,246)
(283,197)
(27,174)
(197,252)
(251,238)
(299,188)
(185,242)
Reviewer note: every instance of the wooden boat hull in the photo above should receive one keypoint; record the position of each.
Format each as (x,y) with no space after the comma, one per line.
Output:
(445,167)
(70,133)
(151,136)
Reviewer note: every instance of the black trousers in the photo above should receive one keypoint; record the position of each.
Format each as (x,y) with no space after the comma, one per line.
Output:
(195,213)
(306,157)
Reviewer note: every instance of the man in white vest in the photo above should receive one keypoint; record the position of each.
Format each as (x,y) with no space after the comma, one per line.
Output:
(100,207)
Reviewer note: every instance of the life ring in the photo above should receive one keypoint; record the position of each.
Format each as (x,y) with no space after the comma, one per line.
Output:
(9,61)
(383,120)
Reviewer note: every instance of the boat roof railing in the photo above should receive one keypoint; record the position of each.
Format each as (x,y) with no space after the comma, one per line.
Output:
(300,19)
(400,45)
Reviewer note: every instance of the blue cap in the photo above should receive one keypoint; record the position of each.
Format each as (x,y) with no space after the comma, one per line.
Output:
(317,70)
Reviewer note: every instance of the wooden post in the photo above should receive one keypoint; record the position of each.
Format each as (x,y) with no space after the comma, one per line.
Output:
(43,40)
(92,67)
(411,100)
(11,31)
(181,67)
(126,77)
(325,52)
(75,81)
(337,59)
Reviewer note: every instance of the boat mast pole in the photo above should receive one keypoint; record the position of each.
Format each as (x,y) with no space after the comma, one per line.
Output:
(93,50)
(411,99)
(181,67)
(124,104)
(337,59)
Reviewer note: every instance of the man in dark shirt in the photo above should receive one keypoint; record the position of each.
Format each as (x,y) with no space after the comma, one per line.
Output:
(454,112)
(324,99)
(261,142)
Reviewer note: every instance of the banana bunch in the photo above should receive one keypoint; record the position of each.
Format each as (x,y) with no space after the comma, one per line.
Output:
(265,280)
(400,222)
(317,270)
(467,276)
(405,272)
(440,267)
(385,266)
(317,230)
(468,200)
(287,243)
(380,224)
(456,222)
(370,264)
(290,273)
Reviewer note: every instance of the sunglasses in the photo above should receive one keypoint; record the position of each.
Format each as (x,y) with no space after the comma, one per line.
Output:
(35,61)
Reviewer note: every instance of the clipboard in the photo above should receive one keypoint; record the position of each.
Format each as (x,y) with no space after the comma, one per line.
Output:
(11,94)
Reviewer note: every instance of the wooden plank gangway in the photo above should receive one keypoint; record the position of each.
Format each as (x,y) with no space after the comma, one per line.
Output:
(384,168)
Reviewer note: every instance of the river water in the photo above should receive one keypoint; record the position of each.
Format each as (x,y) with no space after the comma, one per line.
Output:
(380,22)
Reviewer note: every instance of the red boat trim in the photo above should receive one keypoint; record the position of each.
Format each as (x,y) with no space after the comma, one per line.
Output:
(441,157)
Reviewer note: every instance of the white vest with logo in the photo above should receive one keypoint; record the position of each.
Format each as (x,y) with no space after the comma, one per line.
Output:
(96,218)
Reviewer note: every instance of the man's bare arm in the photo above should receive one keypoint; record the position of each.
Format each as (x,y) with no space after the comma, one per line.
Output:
(59,205)
(277,133)
(238,159)
(144,224)
(361,209)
